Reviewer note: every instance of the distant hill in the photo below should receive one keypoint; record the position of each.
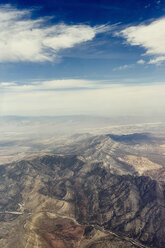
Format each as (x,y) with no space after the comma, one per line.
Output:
(135,138)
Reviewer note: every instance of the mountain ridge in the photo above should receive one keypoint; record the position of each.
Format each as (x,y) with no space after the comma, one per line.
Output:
(64,186)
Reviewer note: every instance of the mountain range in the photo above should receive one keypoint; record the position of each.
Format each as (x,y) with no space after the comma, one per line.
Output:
(96,191)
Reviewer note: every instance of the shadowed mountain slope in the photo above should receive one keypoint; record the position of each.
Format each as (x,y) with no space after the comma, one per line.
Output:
(63,201)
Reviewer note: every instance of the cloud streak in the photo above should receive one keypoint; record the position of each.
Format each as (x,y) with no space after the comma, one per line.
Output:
(123,67)
(149,36)
(24,39)
(52,85)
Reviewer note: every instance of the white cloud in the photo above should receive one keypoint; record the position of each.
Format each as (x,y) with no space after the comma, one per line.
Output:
(141,62)
(157,60)
(63,84)
(24,39)
(123,67)
(7,84)
(150,36)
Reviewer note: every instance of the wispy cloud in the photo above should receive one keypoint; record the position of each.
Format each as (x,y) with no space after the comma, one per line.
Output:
(24,39)
(157,60)
(52,85)
(141,62)
(58,85)
(149,36)
(123,67)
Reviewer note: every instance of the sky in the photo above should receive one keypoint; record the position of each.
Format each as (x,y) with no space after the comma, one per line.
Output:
(79,57)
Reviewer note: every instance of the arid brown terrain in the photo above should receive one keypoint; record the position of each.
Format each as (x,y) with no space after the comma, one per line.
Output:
(101,191)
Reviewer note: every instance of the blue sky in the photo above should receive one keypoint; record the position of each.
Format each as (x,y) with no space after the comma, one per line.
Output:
(72,57)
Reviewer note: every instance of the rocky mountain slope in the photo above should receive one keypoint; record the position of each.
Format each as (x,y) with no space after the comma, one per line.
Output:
(96,198)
